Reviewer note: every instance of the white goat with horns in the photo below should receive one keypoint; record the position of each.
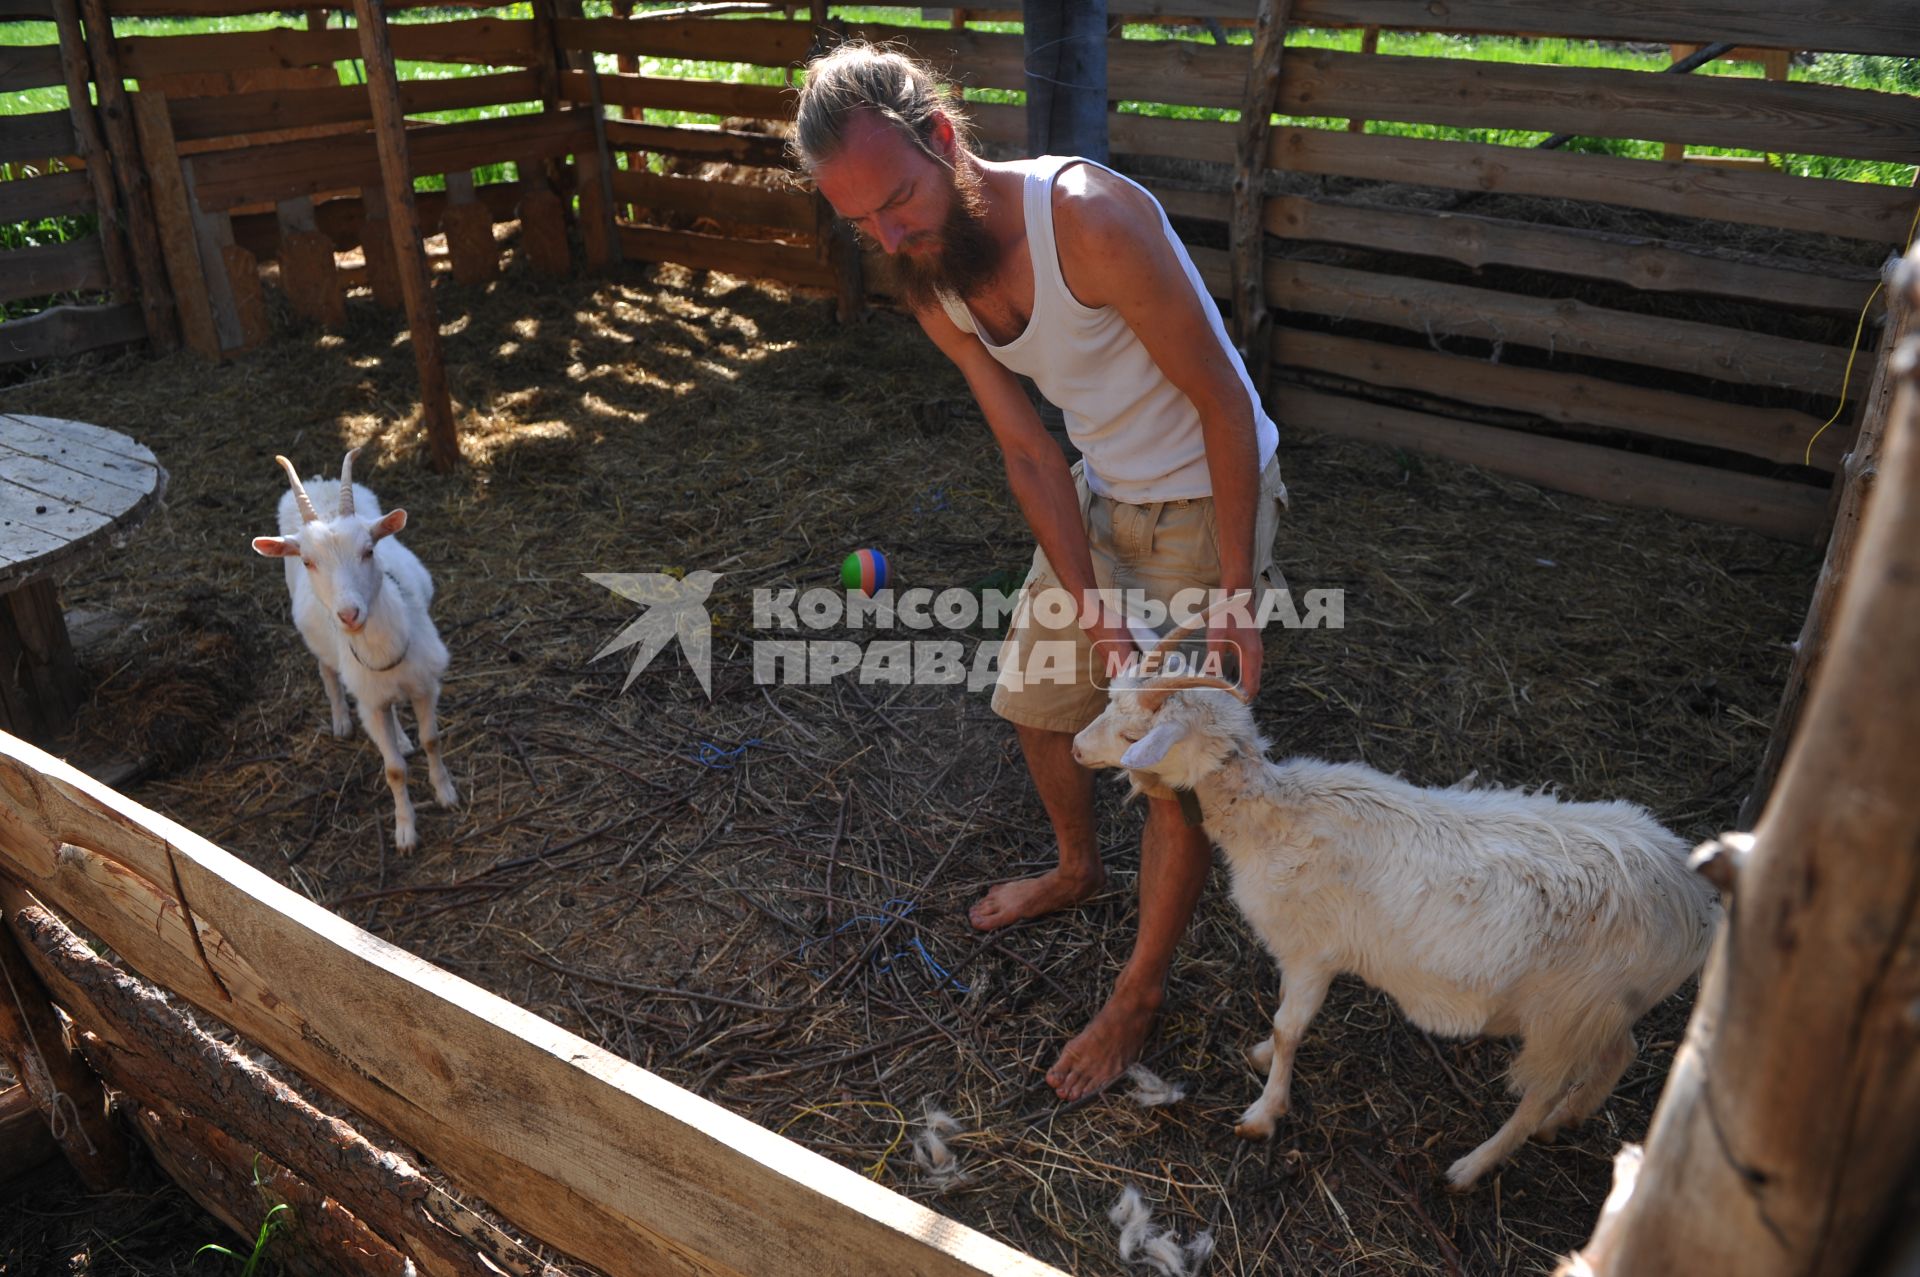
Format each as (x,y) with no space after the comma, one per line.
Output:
(360,601)
(1479,911)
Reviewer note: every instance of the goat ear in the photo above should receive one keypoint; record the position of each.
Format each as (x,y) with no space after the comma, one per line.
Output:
(390,522)
(1150,749)
(277,547)
(1145,637)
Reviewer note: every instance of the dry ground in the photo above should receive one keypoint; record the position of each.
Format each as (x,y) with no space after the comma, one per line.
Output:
(761,896)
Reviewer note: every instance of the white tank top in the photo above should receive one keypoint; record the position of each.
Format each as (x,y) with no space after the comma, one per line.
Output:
(1139,432)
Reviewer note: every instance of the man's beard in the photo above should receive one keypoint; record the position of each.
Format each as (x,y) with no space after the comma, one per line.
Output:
(969,254)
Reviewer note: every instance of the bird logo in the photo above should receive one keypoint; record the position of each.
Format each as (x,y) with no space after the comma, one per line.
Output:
(675,608)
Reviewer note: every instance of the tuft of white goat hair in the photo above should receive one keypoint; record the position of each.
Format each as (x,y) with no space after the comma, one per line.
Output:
(1481,911)
(1150,1090)
(937,1162)
(1142,1241)
(360,601)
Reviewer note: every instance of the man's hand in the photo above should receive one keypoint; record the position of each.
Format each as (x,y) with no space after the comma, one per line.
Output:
(1112,643)
(1238,632)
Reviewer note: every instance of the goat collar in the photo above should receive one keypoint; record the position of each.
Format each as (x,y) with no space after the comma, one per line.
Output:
(1190,808)
(404,647)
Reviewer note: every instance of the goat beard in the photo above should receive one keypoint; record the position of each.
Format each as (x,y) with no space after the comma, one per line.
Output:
(969,254)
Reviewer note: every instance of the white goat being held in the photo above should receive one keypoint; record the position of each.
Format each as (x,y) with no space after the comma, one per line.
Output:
(1479,911)
(360,601)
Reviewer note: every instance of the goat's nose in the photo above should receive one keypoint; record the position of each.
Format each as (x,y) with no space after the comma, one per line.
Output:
(349,616)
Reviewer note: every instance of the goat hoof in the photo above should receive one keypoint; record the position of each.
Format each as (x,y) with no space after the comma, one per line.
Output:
(1260,1054)
(342,728)
(405,840)
(1255,1126)
(447,795)
(1463,1175)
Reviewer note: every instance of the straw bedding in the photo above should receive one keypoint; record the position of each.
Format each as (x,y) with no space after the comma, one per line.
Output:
(762,895)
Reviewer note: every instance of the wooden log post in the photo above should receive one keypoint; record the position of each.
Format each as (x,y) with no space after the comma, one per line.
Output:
(65,1091)
(156,297)
(40,686)
(594,169)
(1789,1122)
(543,222)
(1854,484)
(93,150)
(143,1046)
(390,134)
(468,226)
(316,1236)
(173,213)
(308,272)
(1246,234)
(376,244)
(1369,43)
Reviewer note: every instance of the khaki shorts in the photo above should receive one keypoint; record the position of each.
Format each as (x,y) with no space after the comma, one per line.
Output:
(1047,677)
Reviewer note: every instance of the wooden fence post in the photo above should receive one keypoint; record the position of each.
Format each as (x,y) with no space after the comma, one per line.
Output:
(65,1090)
(1790,1118)
(173,211)
(156,299)
(390,135)
(595,169)
(93,149)
(1246,235)
(1852,485)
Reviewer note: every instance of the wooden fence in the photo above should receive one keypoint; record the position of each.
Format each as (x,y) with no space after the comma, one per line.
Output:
(602,1160)
(1392,298)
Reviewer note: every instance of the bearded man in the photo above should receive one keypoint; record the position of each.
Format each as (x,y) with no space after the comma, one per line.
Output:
(1062,270)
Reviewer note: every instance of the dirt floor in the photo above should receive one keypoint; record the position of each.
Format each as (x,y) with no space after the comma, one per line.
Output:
(761,895)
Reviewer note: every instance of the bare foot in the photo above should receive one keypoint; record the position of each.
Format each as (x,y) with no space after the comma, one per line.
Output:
(1105,1047)
(1009,902)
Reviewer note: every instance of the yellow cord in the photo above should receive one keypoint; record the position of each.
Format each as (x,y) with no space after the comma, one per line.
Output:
(879,1168)
(1859,328)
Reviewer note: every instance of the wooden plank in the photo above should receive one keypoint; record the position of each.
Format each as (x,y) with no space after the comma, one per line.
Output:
(42,136)
(249,303)
(1810,119)
(396,172)
(1857,210)
(764,43)
(706,97)
(130,176)
(69,330)
(76,266)
(1775,434)
(1641,262)
(266,174)
(543,223)
(492,41)
(750,259)
(1790,511)
(40,10)
(725,201)
(196,118)
(1561,325)
(1860,26)
(29,66)
(343,218)
(145,1047)
(565,1140)
(237,1184)
(173,214)
(213,235)
(27,199)
(702,140)
(239,8)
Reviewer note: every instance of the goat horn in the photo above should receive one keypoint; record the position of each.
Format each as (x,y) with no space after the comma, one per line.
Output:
(346,483)
(1150,661)
(307,513)
(1178,682)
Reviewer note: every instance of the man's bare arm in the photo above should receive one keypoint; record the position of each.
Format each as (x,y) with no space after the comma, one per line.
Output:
(1037,472)
(1113,253)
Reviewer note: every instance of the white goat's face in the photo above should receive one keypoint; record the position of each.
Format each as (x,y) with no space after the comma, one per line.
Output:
(338,558)
(1177,737)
